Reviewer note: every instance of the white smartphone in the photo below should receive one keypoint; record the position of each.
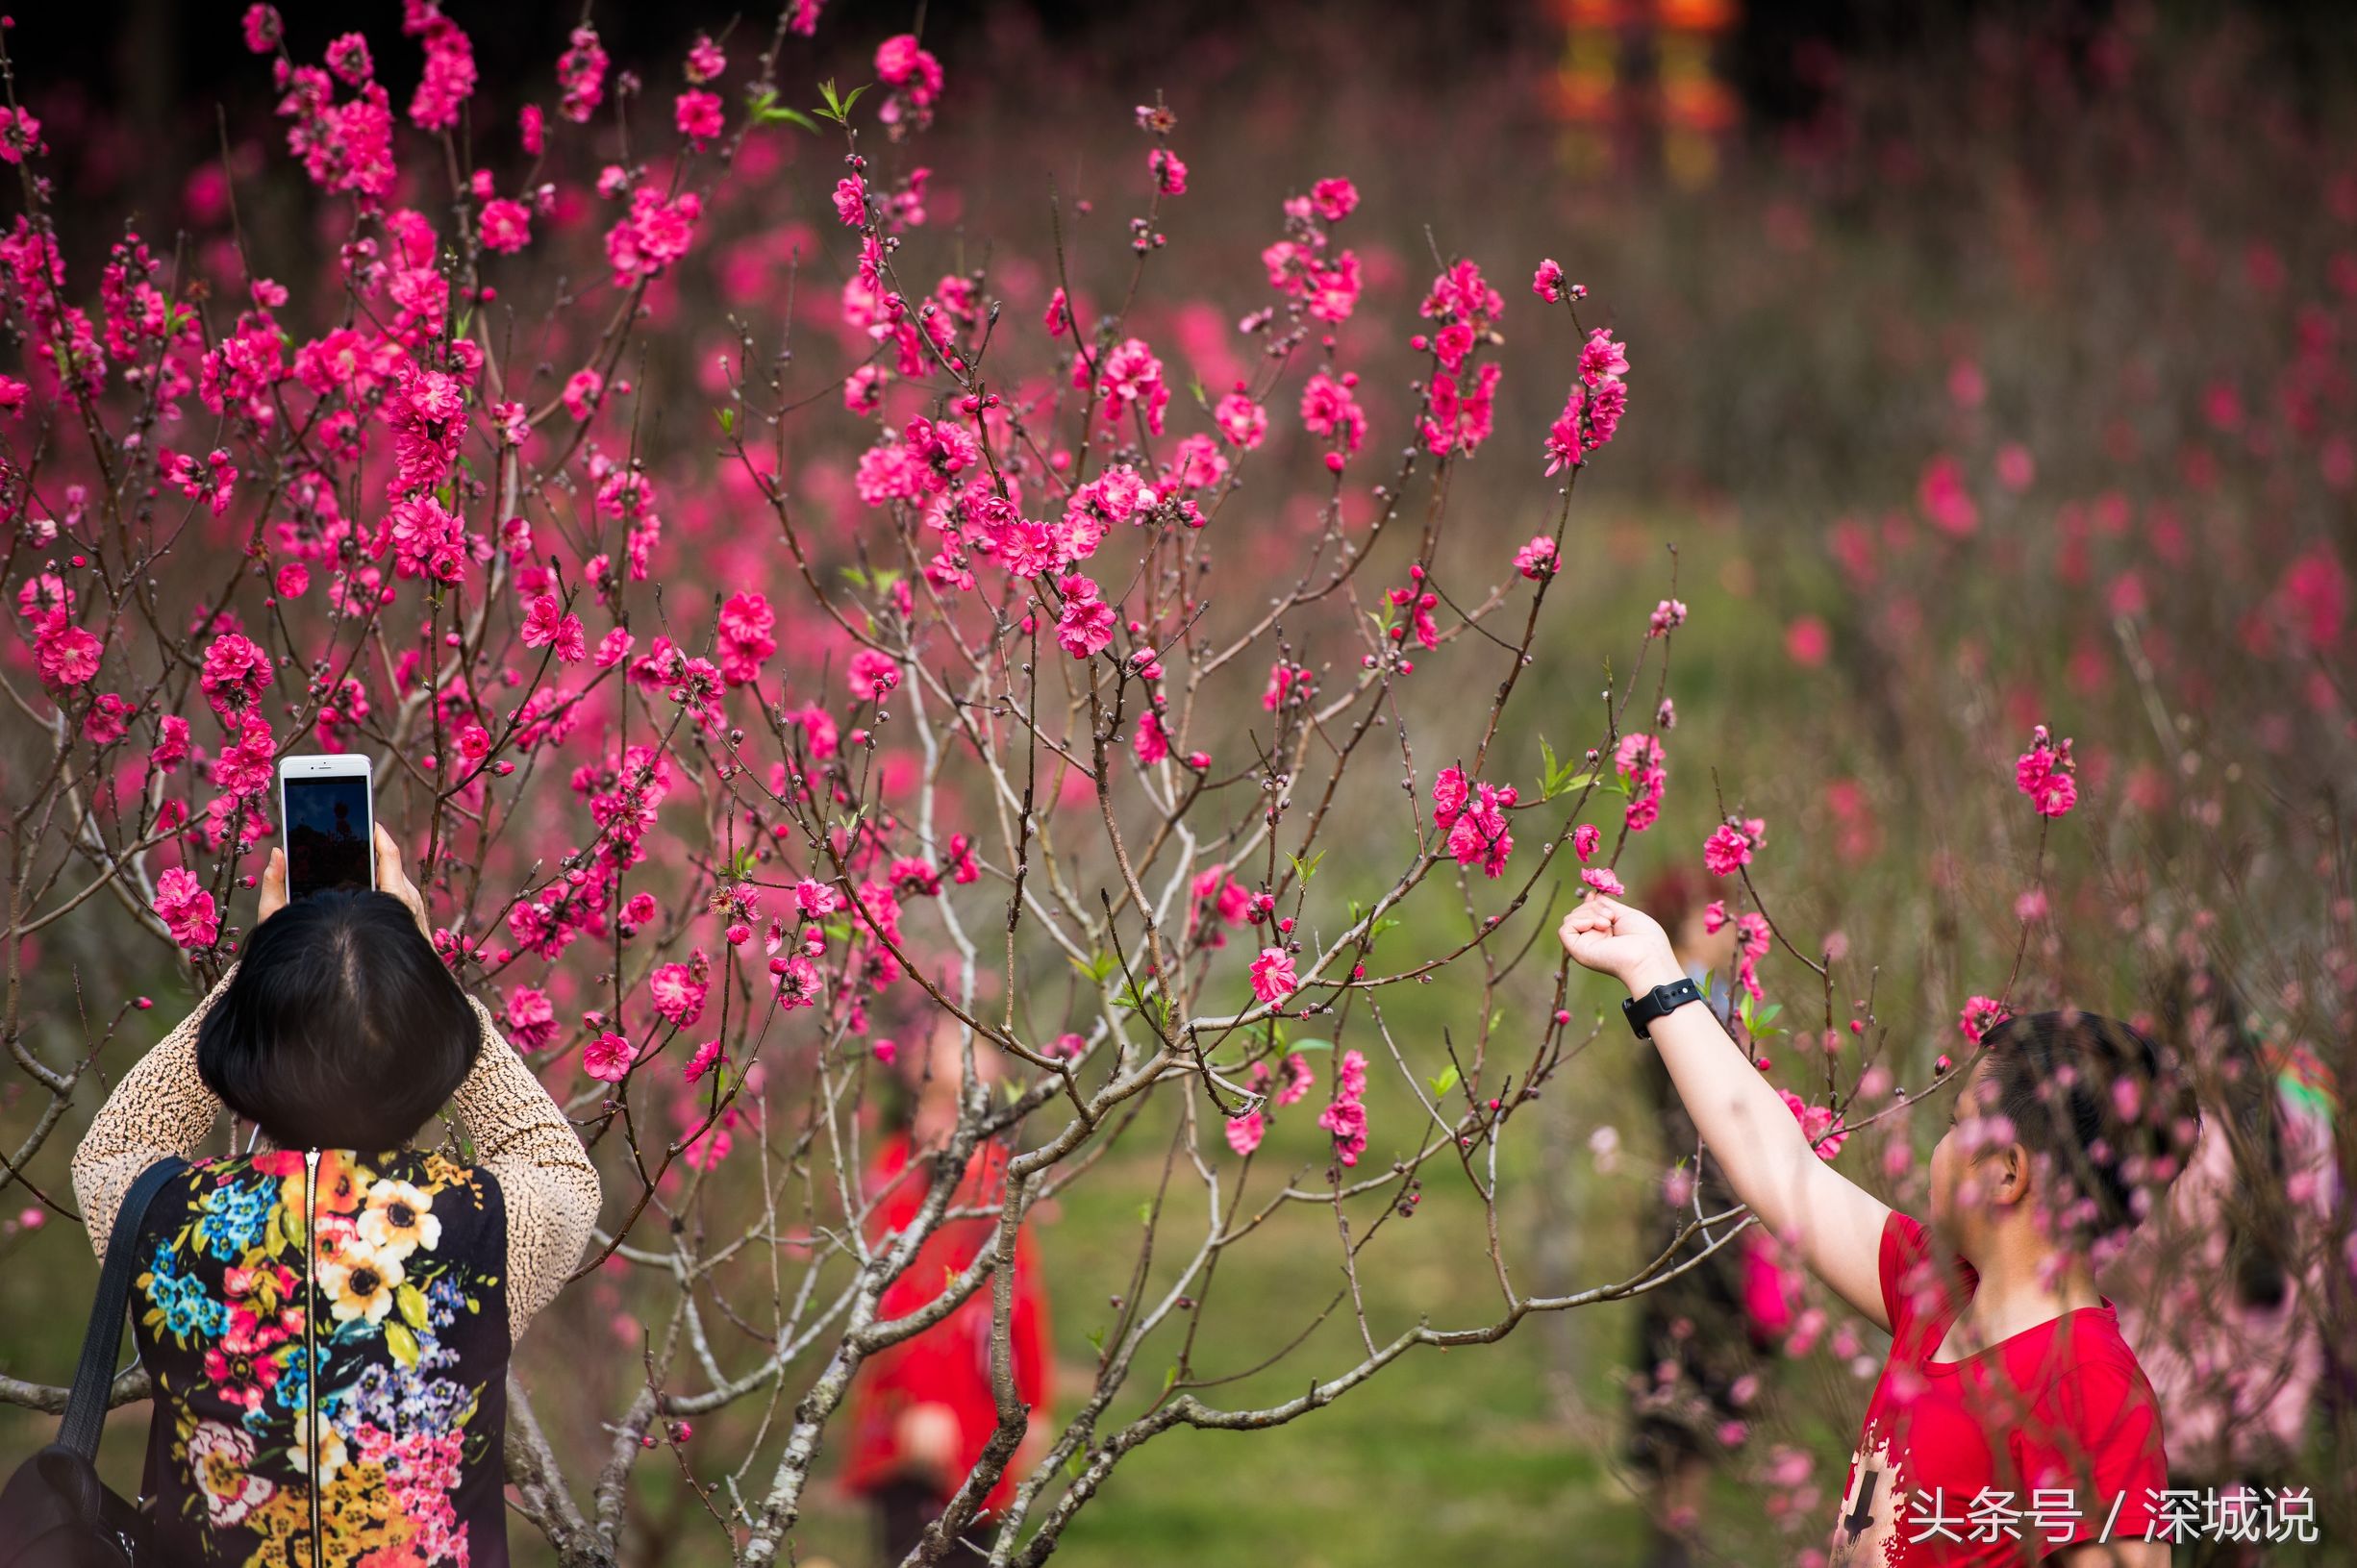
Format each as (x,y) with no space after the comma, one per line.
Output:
(327,822)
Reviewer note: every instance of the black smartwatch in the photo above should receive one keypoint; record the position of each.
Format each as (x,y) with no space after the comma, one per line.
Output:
(1642,1010)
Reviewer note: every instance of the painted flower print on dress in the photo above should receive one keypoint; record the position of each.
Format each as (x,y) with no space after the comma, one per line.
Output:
(328,1355)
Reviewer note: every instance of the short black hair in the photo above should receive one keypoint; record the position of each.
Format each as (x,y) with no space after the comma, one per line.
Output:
(341,1028)
(2109,1115)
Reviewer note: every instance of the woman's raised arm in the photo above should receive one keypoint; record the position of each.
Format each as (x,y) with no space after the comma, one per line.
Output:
(1836,1224)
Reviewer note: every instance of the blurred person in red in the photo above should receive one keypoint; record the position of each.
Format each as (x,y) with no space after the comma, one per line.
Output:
(922,1409)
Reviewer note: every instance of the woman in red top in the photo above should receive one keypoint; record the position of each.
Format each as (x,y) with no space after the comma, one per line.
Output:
(2012,1424)
(922,1409)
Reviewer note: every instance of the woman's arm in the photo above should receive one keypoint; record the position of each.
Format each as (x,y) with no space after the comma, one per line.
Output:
(161,1106)
(524,1140)
(1836,1223)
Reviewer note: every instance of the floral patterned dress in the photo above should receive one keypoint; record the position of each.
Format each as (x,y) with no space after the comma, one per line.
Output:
(330,1354)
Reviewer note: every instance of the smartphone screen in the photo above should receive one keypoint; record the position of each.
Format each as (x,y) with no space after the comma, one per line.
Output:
(327,835)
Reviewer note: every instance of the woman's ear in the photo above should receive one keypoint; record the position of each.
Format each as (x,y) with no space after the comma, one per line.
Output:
(2009,1175)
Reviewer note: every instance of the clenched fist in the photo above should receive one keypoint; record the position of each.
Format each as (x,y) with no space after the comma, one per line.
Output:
(1614,938)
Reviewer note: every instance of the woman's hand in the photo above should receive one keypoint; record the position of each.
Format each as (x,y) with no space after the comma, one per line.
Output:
(273,886)
(1614,938)
(391,878)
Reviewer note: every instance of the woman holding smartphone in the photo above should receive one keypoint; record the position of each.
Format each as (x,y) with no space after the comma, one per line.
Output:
(328,1318)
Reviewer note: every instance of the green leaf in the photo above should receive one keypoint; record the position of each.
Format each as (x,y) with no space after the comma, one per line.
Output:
(766,110)
(1097,1338)
(1305,871)
(1446,1082)
(1099,967)
(410,1301)
(728,422)
(1312,1045)
(402,1343)
(1169,1378)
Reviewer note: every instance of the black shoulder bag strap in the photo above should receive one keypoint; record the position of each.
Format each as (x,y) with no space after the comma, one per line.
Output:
(85,1408)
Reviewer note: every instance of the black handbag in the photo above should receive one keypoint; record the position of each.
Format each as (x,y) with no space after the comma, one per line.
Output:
(55,1512)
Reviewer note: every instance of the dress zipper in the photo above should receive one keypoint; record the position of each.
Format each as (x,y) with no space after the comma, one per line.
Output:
(310,1355)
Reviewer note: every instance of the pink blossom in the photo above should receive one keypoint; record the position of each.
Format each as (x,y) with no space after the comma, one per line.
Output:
(1335,199)
(1086,625)
(1980,1015)
(109,719)
(1242,421)
(581,71)
(705,60)
(914,77)
(1603,880)
(1667,617)
(1329,410)
(507,226)
(708,1056)
(1152,742)
(1820,1125)
(186,909)
(348,58)
(449,78)
(747,640)
(1537,558)
(1600,358)
(697,115)
(656,233)
(263,28)
(851,201)
(1133,380)
(20,135)
(678,995)
(171,747)
(235,674)
(872,674)
(1585,838)
(66,654)
(1244,1132)
(546,624)
(607,1057)
(1728,848)
(427,411)
(1547,281)
(2044,773)
(1641,761)
(243,769)
(1169,174)
(1272,974)
(1345,1114)
(1942,496)
(531,1018)
(209,481)
(582,392)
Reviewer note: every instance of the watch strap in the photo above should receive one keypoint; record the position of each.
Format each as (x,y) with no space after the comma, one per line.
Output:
(1642,1010)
